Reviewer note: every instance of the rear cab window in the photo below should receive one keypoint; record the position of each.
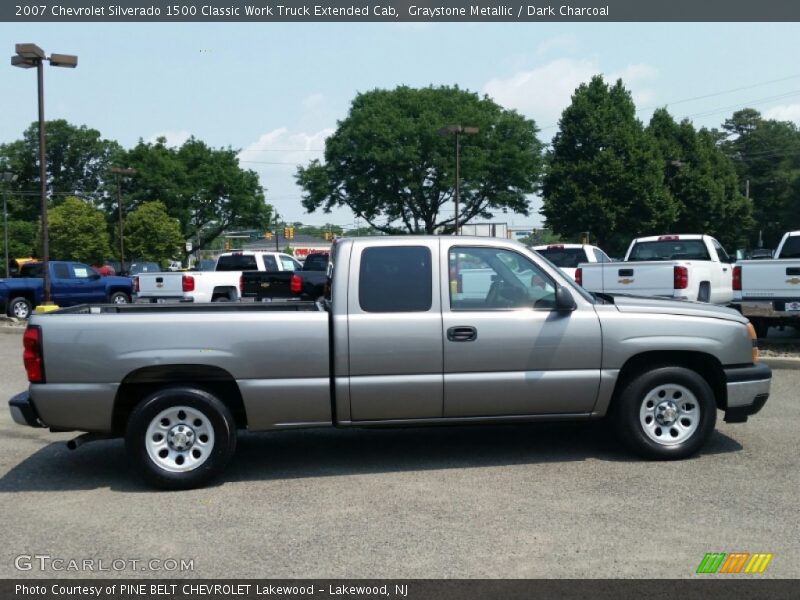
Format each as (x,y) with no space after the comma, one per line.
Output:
(237,262)
(566,258)
(395,279)
(669,250)
(791,248)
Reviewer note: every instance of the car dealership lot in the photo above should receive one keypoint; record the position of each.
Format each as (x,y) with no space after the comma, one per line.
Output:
(500,501)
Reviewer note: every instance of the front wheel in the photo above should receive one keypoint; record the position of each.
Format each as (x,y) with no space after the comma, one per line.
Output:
(667,413)
(179,438)
(119,298)
(20,308)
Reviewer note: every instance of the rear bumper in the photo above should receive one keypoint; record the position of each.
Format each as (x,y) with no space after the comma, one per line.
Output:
(23,411)
(161,299)
(770,309)
(748,391)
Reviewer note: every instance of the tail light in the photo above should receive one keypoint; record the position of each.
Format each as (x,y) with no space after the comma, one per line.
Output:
(32,354)
(135,285)
(188,283)
(296,284)
(681,277)
(241,285)
(579,276)
(737,278)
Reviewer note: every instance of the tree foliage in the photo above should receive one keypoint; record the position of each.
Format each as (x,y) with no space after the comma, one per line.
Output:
(388,162)
(151,234)
(605,174)
(766,153)
(78,159)
(702,180)
(204,188)
(77,231)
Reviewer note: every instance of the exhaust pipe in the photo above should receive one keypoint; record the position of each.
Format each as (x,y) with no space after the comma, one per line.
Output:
(75,443)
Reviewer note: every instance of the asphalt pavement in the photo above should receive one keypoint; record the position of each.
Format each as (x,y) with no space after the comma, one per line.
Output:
(519,501)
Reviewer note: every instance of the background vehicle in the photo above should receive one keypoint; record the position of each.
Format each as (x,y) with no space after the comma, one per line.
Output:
(15,264)
(686,267)
(139,267)
(568,256)
(221,285)
(760,254)
(71,283)
(307,284)
(768,291)
(398,344)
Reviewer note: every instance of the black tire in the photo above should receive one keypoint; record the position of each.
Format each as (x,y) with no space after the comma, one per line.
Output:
(761,326)
(218,452)
(20,308)
(119,298)
(630,410)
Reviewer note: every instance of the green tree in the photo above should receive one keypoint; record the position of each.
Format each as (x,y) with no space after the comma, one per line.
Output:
(605,174)
(204,188)
(77,231)
(22,237)
(151,234)
(702,180)
(388,163)
(78,159)
(766,153)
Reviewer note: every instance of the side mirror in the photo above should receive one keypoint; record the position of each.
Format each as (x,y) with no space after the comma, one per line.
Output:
(564,299)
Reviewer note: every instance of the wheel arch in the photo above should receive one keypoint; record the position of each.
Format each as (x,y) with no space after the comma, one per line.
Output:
(139,384)
(704,364)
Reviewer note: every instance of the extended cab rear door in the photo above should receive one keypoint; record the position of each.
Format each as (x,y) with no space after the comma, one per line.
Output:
(507,351)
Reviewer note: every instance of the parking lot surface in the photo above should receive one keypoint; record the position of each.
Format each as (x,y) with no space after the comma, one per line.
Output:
(561,500)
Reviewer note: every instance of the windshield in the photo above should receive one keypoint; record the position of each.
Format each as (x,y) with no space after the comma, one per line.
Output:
(566,258)
(669,250)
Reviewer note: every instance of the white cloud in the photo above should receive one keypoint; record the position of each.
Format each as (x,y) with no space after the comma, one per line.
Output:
(543,92)
(564,42)
(174,138)
(787,112)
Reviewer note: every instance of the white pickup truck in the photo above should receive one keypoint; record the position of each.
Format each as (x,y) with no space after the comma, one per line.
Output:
(219,285)
(768,291)
(681,266)
(567,257)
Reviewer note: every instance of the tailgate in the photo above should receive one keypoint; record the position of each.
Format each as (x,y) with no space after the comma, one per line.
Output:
(266,284)
(160,285)
(650,278)
(770,279)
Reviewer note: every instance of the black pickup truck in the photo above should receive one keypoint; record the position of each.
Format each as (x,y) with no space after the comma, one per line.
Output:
(306,284)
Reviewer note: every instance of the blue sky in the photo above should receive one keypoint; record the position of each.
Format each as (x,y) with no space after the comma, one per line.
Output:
(275,90)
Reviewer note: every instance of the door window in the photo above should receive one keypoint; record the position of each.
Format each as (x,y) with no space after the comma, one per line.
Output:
(395,279)
(61,271)
(82,272)
(494,278)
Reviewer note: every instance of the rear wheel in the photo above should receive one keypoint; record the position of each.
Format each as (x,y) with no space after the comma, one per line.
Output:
(119,298)
(667,413)
(20,308)
(181,437)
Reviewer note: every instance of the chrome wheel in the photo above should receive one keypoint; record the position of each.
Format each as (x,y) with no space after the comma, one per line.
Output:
(179,439)
(21,309)
(669,414)
(119,299)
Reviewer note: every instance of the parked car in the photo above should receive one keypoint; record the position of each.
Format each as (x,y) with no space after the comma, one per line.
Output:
(568,256)
(137,268)
(760,254)
(307,283)
(71,283)
(768,291)
(395,343)
(221,285)
(681,266)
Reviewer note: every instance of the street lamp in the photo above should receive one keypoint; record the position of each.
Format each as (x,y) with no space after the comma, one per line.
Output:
(457,131)
(121,171)
(28,56)
(8,178)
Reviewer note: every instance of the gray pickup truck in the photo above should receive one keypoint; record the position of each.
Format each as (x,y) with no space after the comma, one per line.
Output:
(416,330)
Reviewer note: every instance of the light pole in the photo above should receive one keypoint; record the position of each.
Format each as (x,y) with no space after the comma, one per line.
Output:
(28,56)
(457,131)
(8,178)
(118,171)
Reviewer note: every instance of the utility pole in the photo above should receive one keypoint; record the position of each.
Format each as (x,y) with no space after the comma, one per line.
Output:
(118,171)
(457,131)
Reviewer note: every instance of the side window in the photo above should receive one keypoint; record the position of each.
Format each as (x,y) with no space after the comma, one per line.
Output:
(395,279)
(492,278)
(288,263)
(270,264)
(600,256)
(80,271)
(61,271)
(723,256)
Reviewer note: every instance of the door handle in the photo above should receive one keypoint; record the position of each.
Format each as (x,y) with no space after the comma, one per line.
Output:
(462,333)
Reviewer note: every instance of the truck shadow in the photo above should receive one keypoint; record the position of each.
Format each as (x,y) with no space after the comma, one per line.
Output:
(331,453)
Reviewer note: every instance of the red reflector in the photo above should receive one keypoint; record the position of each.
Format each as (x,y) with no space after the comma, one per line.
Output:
(135,285)
(737,278)
(579,276)
(188,283)
(32,354)
(295,285)
(669,237)
(681,277)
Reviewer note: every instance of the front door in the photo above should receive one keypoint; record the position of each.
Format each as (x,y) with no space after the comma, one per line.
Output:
(395,332)
(507,351)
